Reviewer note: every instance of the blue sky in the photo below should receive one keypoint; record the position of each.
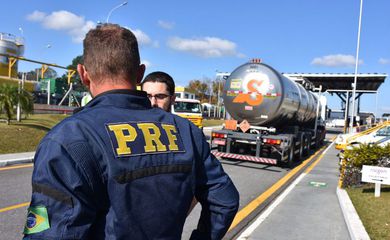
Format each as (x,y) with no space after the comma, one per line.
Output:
(194,39)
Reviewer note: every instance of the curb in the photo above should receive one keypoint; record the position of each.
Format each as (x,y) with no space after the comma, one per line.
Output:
(354,224)
(10,159)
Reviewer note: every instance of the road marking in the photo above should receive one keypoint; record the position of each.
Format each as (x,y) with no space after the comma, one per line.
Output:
(248,209)
(16,167)
(246,234)
(317,184)
(14,207)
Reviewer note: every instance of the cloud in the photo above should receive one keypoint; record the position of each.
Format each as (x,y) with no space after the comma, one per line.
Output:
(74,25)
(146,63)
(143,38)
(337,60)
(36,16)
(384,61)
(166,25)
(206,47)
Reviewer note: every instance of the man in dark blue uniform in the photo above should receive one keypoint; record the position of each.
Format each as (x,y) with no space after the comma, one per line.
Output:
(120,169)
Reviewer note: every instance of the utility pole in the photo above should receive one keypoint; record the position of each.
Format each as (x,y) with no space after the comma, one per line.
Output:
(356,69)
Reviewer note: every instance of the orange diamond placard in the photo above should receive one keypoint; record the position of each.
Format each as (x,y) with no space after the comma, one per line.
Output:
(244,126)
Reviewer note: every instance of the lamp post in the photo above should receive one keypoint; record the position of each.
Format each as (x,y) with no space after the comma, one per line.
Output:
(21,31)
(220,77)
(356,69)
(120,5)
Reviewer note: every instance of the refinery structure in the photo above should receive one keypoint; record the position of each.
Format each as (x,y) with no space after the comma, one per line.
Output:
(45,90)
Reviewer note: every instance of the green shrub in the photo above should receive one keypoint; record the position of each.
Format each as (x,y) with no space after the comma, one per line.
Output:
(365,154)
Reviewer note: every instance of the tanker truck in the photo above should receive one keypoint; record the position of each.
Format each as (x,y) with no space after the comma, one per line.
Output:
(274,120)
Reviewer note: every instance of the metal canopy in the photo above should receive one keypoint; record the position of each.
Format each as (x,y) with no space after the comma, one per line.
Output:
(366,83)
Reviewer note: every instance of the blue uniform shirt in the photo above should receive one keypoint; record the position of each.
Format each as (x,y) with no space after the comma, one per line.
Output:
(119,169)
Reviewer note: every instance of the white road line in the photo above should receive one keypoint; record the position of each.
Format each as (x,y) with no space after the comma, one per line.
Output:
(246,234)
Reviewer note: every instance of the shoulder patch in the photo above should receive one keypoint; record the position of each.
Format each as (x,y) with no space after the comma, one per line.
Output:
(138,138)
(37,220)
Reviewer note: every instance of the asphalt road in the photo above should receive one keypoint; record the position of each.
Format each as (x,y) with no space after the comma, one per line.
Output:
(251,179)
(15,188)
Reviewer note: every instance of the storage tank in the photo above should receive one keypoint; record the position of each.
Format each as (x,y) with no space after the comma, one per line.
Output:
(258,93)
(10,45)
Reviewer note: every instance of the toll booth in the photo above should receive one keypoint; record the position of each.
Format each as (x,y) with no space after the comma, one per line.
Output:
(341,85)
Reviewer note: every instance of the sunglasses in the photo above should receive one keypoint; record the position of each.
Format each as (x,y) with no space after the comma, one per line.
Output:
(159,96)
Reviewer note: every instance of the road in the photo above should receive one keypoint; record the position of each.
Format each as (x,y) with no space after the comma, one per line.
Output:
(251,180)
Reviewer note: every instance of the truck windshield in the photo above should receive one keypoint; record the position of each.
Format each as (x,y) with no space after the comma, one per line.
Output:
(187,107)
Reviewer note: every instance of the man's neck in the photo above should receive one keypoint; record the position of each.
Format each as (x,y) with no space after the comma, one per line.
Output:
(104,87)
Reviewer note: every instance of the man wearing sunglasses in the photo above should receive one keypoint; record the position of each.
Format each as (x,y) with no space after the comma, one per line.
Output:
(160,89)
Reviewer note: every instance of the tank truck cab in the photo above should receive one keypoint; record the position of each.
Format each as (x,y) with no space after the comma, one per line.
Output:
(276,120)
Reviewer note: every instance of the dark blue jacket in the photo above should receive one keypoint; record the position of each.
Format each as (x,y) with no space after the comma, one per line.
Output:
(119,169)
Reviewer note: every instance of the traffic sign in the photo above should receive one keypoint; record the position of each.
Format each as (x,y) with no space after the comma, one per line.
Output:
(373,174)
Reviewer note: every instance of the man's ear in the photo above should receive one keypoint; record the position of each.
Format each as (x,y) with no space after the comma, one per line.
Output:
(140,73)
(84,76)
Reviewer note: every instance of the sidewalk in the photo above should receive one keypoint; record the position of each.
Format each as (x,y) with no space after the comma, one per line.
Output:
(15,158)
(311,210)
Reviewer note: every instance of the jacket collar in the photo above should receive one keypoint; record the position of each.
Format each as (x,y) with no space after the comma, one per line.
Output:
(124,98)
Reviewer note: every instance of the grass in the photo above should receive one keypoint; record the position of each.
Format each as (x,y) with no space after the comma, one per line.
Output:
(374,212)
(212,122)
(25,136)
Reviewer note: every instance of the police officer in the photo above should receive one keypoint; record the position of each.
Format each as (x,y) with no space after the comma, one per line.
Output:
(120,169)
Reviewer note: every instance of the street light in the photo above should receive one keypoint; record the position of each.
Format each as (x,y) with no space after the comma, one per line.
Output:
(21,30)
(120,5)
(220,76)
(356,69)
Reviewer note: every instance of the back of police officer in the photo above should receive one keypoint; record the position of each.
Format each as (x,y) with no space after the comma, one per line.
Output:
(120,169)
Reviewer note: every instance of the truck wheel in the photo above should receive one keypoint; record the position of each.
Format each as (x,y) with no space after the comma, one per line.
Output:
(299,156)
(289,163)
(306,146)
(221,148)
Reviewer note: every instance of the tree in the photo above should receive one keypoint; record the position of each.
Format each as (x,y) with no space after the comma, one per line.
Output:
(201,88)
(9,98)
(77,84)
(32,75)
(50,73)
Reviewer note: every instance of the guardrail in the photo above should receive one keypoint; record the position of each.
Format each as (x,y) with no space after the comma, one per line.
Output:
(43,108)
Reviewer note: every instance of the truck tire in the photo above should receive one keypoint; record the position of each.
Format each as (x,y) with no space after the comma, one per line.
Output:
(306,146)
(221,148)
(298,157)
(289,163)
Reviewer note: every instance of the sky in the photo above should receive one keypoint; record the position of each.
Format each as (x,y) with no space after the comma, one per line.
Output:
(195,39)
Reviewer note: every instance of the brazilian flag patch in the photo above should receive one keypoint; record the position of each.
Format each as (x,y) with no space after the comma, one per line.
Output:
(37,220)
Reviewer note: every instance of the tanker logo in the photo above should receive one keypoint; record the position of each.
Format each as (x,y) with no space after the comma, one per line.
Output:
(253,97)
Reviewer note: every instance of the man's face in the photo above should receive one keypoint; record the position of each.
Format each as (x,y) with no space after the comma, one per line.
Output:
(159,95)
